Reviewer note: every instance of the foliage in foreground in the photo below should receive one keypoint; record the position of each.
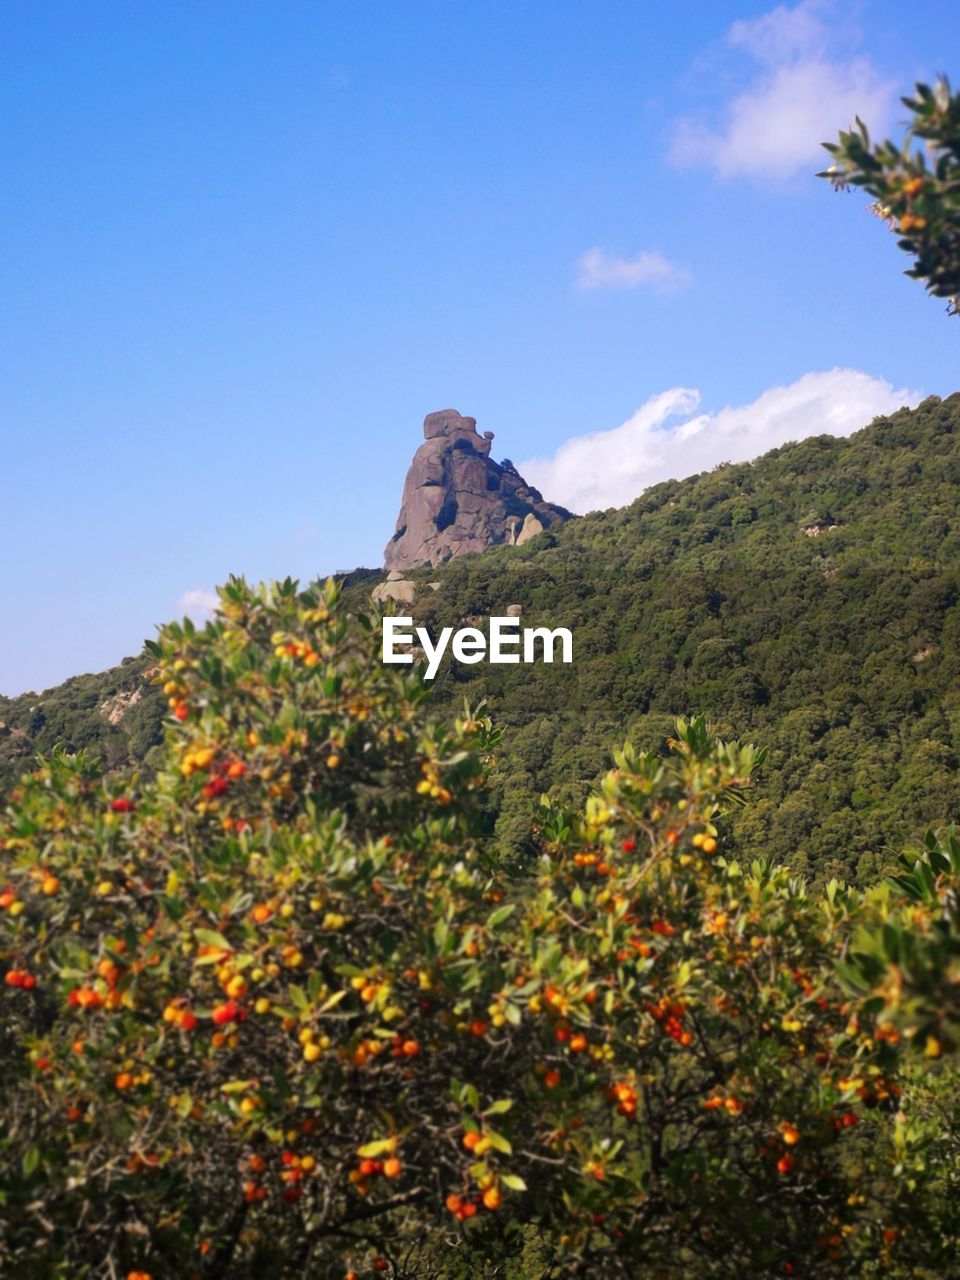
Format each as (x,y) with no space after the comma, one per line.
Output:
(278,1012)
(916,192)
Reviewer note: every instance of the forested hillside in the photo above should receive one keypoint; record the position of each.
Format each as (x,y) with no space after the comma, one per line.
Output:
(807,601)
(116,716)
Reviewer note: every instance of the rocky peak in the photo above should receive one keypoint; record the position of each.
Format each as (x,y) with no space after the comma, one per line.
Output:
(457,499)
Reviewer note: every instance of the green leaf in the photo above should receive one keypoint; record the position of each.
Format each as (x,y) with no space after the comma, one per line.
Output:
(497,917)
(31,1158)
(513,1182)
(210,938)
(469,1097)
(499,1108)
(235,1086)
(370,1150)
(333,1001)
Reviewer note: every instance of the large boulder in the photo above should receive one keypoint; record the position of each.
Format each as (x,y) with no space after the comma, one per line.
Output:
(400,589)
(456,499)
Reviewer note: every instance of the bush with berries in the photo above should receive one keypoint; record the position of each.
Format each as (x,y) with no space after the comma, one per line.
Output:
(278,1011)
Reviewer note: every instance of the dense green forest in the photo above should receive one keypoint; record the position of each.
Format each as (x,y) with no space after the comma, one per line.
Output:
(116,716)
(807,601)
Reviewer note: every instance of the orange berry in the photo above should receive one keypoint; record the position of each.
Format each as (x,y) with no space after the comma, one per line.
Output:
(392,1168)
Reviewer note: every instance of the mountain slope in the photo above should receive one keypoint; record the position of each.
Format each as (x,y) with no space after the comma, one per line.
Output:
(809,601)
(116,716)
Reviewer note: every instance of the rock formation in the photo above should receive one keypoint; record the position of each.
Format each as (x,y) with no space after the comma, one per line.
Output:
(396,587)
(456,499)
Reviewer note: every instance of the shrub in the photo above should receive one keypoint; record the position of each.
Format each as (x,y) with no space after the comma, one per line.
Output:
(279,1012)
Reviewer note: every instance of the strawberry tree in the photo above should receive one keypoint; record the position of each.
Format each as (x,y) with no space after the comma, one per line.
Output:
(278,1011)
(914,190)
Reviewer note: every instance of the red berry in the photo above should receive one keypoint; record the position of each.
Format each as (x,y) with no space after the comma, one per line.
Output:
(229,1012)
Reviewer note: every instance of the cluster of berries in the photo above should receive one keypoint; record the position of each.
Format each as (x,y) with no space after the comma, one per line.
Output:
(624,1096)
(20,978)
(668,1014)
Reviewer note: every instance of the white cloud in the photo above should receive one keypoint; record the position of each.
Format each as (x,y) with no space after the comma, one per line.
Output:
(781,33)
(798,97)
(198,603)
(600,270)
(667,439)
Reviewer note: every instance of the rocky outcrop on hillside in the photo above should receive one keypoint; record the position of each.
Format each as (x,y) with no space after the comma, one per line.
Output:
(457,499)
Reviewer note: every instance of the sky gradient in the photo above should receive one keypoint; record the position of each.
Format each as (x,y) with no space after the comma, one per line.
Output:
(246,247)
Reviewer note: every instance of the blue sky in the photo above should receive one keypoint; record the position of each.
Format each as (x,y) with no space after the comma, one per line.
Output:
(247,246)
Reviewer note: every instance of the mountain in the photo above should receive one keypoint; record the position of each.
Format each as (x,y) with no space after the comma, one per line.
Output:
(809,601)
(457,500)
